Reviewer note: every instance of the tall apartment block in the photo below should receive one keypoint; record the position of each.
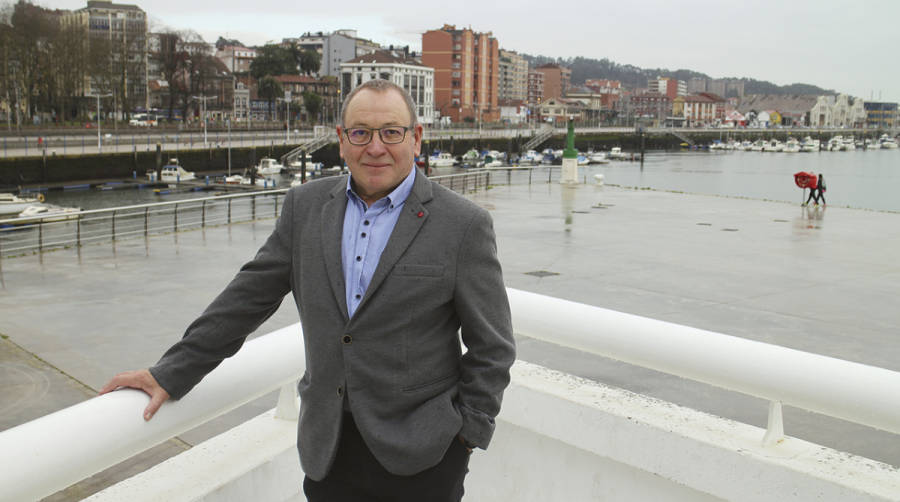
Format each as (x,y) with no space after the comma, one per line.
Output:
(121,30)
(667,86)
(466,72)
(513,77)
(556,80)
(535,88)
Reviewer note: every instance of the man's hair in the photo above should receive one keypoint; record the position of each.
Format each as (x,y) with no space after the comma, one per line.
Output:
(380,86)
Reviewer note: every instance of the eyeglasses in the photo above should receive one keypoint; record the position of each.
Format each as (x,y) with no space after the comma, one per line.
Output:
(390,135)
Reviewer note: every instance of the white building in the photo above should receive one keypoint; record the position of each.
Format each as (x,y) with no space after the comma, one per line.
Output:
(838,111)
(513,82)
(236,58)
(399,68)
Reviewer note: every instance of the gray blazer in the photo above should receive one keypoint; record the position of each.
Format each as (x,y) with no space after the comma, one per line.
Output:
(398,359)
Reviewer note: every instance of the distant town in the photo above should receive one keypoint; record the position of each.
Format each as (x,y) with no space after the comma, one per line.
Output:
(66,67)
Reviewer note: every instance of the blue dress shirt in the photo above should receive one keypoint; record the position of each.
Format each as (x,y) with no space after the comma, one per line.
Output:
(366,233)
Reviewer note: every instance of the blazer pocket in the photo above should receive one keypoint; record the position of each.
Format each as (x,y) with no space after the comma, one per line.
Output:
(432,383)
(419,270)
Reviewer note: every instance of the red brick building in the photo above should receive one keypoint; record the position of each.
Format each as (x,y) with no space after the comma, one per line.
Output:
(466,72)
(556,80)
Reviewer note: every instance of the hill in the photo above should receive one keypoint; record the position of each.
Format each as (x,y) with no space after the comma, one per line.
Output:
(634,77)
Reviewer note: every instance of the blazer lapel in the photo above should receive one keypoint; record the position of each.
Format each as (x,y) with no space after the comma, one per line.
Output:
(332,235)
(408,224)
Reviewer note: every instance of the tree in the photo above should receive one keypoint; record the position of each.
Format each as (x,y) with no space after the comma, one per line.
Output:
(313,104)
(273,60)
(310,61)
(269,89)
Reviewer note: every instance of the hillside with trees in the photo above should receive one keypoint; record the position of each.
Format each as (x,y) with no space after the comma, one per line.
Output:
(634,77)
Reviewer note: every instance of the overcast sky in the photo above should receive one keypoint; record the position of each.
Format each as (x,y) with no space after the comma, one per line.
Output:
(846,45)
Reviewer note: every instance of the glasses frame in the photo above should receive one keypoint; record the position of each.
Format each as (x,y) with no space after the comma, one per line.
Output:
(380,136)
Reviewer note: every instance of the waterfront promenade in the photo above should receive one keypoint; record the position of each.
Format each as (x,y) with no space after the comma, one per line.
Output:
(816,280)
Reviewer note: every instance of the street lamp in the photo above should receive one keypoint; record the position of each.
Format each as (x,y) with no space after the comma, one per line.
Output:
(98,96)
(202,100)
(287,129)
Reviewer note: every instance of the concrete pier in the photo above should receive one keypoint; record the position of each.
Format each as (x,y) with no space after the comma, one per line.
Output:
(819,280)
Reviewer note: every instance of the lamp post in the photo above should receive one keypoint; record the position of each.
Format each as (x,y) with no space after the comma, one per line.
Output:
(202,100)
(98,96)
(287,129)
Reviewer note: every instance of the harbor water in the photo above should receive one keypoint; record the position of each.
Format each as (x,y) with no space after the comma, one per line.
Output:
(857,179)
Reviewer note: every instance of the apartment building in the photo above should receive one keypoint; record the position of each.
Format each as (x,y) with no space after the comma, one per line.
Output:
(609,90)
(399,67)
(513,85)
(556,80)
(881,115)
(120,29)
(535,88)
(838,111)
(326,87)
(236,58)
(668,86)
(700,109)
(335,48)
(466,72)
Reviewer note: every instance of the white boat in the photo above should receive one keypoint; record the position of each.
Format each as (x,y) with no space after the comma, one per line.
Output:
(597,158)
(887,142)
(772,145)
(11,204)
(849,144)
(872,144)
(582,160)
(172,173)
(237,179)
(616,153)
(758,146)
(441,159)
(268,167)
(835,144)
(297,164)
(531,157)
(717,145)
(791,146)
(47,213)
(809,145)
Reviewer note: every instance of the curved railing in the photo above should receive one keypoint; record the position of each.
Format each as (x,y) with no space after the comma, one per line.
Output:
(52,452)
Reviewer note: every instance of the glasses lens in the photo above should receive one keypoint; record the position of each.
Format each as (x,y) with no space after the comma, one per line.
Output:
(359,135)
(393,134)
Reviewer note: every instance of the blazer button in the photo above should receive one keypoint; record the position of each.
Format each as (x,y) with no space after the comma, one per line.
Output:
(347,339)
(340,391)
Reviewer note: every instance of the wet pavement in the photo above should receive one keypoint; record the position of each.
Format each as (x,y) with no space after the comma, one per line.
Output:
(815,279)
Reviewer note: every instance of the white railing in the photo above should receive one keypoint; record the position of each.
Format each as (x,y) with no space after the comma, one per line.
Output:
(851,391)
(52,452)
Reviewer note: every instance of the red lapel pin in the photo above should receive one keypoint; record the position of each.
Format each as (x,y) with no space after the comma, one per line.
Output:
(420,214)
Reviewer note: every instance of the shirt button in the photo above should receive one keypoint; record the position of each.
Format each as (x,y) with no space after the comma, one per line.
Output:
(340,391)
(347,339)
(366,222)
(363,234)
(359,258)
(358,297)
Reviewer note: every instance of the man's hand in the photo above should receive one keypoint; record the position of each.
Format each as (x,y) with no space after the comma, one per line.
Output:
(143,380)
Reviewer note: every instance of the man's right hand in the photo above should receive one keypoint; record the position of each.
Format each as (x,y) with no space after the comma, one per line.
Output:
(143,380)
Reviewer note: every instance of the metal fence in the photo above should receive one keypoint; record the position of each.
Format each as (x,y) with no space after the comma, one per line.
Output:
(20,236)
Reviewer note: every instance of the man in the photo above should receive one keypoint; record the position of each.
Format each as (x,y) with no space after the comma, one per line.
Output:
(385,267)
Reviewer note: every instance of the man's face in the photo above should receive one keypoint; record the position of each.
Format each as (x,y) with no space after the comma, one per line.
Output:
(377,168)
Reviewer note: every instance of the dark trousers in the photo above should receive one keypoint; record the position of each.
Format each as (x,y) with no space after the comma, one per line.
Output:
(356,476)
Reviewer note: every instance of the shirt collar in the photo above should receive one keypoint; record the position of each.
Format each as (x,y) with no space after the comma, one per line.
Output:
(396,197)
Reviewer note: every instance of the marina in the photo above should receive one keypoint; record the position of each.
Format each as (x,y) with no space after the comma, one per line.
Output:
(680,240)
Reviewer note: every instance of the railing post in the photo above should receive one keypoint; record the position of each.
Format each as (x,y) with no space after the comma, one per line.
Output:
(176,217)
(40,236)
(253,207)
(114,226)
(146,221)
(203,217)
(78,231)
(276,205)
(229,211)
(775,427)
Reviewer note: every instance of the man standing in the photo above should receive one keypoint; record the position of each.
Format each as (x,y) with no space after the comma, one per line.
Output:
(386,267)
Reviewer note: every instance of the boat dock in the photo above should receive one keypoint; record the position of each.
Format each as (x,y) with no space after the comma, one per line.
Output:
(814,279)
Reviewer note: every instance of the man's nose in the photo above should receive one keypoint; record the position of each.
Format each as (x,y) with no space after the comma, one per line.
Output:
(376,146)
